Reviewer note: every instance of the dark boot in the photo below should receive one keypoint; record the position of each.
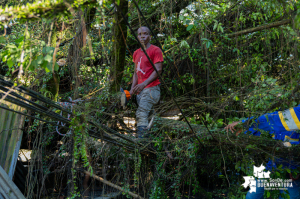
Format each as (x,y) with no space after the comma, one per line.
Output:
(141,131)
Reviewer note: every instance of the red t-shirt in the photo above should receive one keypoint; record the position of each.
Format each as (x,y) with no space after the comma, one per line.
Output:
(143,66)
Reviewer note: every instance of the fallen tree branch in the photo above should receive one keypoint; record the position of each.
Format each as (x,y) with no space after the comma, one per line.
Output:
(263,27)
(112,185)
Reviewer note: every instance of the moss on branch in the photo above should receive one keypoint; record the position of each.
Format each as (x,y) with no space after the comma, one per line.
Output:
(42,9)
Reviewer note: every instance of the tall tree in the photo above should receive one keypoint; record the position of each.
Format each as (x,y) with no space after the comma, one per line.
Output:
(119,46)
(75,51)
(53,83)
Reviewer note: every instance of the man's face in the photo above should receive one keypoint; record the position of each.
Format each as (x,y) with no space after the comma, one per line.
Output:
(143,35)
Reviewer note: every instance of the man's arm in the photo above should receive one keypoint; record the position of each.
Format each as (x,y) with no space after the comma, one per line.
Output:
(134,82)
(138,88)
(231,126)
(287,120)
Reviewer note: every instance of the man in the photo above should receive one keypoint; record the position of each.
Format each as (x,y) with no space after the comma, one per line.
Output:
(277,121)
(145,81)
(283,125)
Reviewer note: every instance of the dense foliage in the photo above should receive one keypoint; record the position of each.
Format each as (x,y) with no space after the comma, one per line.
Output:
(224,61)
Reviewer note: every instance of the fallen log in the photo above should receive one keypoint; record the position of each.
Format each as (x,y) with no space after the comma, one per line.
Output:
(216,137)
(262,27)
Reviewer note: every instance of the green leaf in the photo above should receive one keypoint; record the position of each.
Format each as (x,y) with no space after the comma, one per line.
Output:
(39,59)
(288,170)
(49,67)
(4,55)
(33,65)
(10,63)
(56,67)
(208,43)
(184,44)
(44,64)
(19,40)
(48,58)
(43,43)
(12,47)
(173,40)
(221,28)
(268,194)
(181,17)
(2,40)
(215,26)
(189,27)
(48,50)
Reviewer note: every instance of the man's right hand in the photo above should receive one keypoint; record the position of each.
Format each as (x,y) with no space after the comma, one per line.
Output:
(138,88)
(231,126)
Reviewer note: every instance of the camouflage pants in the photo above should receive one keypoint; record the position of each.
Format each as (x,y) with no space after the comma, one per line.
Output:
(146,99)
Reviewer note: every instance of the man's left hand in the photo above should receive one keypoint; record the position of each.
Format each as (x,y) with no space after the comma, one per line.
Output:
(138,88)
(231,126)
(287,144)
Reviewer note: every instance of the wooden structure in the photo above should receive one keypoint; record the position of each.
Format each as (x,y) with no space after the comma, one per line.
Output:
(8,190)
(11,124)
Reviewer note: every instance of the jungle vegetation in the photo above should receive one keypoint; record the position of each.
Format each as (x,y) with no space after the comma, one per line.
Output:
(223,61)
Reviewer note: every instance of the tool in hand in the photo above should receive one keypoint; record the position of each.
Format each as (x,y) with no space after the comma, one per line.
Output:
(125,96)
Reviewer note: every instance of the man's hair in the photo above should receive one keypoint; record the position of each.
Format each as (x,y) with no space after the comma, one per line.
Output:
(147,29)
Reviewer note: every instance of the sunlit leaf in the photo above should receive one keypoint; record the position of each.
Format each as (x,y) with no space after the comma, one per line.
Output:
(215,26)
(189,27)
(48,58)
(10,63)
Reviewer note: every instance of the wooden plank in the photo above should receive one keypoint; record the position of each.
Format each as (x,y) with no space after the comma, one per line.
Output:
(3,119)
(3,142)
(2,114)
(17,143)
(11,141)
(11,136)
(8,190)
(14,158)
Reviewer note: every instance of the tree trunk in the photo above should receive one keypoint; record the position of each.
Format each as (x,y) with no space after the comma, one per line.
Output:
(79,42)
(119,47)
(53,83)
(207,68)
